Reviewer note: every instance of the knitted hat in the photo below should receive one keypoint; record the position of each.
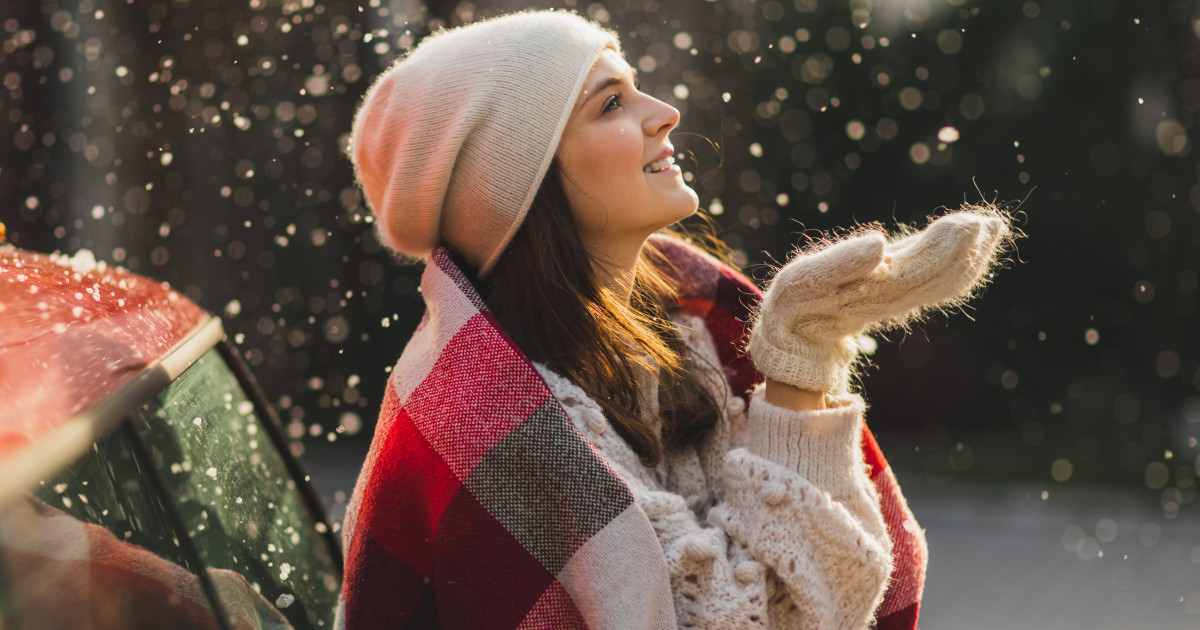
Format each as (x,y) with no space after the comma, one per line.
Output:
(452,142)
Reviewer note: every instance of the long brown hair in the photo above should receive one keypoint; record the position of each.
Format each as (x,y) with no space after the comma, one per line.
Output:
(547,297)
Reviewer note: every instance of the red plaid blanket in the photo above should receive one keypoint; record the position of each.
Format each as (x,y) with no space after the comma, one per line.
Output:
(480,505)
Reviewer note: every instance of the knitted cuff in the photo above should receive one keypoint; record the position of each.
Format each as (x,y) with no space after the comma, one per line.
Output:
(819,368)
(823,446)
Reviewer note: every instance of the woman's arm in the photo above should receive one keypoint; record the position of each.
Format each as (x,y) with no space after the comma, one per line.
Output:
(798,502)
(792,397)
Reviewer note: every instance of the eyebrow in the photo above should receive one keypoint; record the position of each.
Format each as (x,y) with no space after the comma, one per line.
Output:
(606,83)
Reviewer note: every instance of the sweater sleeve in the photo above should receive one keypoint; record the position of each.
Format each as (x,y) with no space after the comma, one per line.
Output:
(822,447)
(799,499)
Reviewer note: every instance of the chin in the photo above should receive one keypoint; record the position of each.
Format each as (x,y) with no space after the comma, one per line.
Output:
(687,205)
(672,210)
(689,211)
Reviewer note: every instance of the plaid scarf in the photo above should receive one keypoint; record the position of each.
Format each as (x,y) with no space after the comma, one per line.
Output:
(481,506)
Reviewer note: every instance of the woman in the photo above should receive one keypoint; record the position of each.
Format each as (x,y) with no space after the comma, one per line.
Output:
(566,441)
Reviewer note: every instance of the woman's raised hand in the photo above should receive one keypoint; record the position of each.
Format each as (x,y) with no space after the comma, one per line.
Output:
(822,298)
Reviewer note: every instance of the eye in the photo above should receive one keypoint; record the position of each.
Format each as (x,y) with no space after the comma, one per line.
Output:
(614,103)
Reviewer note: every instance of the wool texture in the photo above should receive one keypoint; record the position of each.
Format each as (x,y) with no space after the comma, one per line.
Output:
(750,540)
(483,504)
(452,142)
(820,300)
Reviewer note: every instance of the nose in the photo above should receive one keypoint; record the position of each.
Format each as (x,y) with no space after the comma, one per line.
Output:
(660,118)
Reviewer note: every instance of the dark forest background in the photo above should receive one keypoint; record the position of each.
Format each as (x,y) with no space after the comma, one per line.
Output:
(202,143)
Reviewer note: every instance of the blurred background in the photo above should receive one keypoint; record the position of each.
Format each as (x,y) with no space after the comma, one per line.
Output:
(1047,439)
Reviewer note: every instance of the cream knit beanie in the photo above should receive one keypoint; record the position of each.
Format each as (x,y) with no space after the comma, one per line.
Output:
(452,142)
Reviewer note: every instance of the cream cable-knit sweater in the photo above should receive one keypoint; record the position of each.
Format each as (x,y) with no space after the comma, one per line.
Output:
(771,523)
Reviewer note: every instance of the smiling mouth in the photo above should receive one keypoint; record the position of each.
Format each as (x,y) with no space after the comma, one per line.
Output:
(659,166)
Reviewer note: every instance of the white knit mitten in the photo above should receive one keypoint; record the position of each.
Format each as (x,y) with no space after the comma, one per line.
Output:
(820,300)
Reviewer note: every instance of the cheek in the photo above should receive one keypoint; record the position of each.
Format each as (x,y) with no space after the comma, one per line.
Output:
(628,146)
(615,155)
(604,167)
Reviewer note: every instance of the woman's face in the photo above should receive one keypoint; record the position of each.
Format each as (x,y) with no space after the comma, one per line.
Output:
(616,162)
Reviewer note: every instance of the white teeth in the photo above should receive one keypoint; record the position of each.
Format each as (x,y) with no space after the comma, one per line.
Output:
(659,165)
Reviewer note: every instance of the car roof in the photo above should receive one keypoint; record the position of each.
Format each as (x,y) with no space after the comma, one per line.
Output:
(74,333)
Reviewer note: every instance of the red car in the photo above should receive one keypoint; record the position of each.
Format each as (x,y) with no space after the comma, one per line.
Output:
(144,482)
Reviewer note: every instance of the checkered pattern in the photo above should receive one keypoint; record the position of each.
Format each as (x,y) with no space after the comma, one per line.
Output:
(481,506)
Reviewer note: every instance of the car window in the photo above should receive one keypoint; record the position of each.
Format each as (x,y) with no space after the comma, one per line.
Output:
(94,546)
(111,487)
(238,501)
